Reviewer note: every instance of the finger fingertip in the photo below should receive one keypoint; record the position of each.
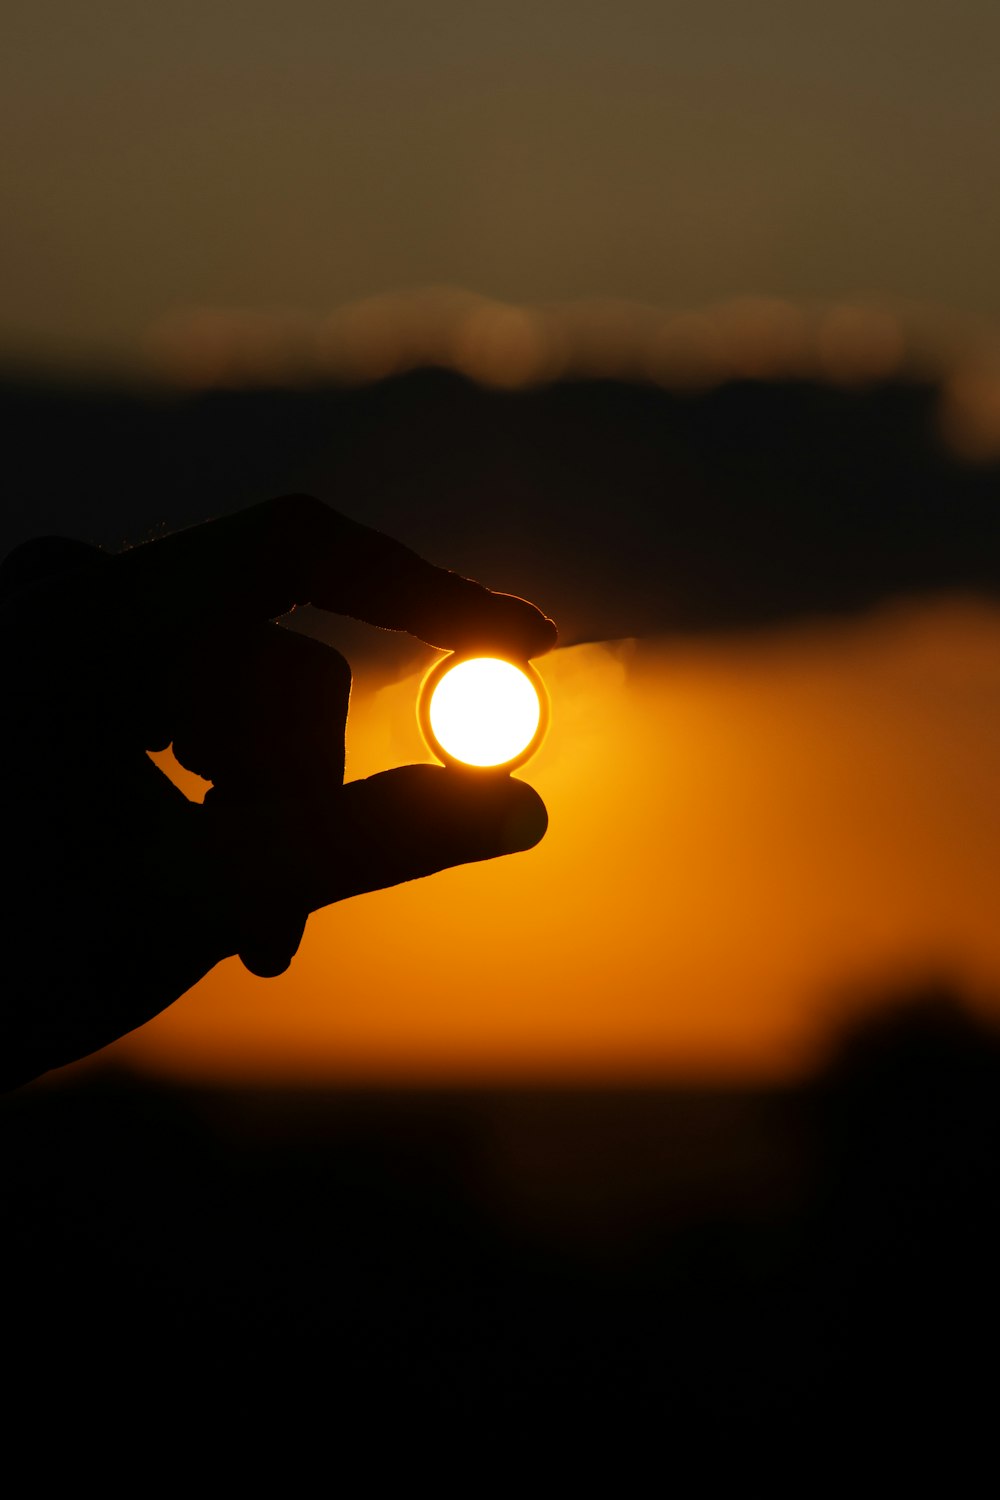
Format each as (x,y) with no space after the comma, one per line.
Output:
(529,632)
(265,963)
(270,950)
(548,636)
(525,820)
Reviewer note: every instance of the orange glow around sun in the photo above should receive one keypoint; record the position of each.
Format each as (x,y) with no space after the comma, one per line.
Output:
(744,835)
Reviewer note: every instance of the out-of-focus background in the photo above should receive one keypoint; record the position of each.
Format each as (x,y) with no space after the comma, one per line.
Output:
(683,321)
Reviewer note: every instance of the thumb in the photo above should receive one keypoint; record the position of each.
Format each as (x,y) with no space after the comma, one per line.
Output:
(403,824)
(283,859)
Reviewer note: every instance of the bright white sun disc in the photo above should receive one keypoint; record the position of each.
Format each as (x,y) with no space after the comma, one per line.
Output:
(484,712)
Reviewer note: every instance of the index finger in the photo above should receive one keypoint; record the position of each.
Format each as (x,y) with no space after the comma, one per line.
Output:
(258,563)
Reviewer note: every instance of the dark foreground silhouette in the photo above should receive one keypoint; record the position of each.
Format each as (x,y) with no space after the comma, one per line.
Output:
(826,1253)
(121,893)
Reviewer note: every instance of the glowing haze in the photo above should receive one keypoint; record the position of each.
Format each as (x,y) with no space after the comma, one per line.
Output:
(744,835)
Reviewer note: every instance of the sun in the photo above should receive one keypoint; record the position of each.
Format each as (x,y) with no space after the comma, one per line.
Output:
(483,711)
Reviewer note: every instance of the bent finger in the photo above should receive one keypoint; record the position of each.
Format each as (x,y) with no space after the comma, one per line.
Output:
(260,562)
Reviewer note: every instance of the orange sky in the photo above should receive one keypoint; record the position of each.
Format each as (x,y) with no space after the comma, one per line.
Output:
(744,836)
(744,833)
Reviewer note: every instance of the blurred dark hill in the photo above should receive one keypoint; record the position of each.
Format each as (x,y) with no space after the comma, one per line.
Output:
(829,1250)
(623,508)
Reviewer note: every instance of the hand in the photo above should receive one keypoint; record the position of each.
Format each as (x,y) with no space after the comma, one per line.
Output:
(121,892)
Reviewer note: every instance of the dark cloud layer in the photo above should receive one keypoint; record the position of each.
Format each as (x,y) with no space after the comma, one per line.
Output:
(622,509)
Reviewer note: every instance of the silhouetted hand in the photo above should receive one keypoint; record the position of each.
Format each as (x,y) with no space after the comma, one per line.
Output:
(121,893)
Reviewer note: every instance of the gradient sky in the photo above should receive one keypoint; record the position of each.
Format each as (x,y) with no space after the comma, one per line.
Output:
(745,831)
(749,840)
(302,154)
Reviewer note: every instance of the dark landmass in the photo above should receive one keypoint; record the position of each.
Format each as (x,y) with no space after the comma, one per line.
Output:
(671,1255)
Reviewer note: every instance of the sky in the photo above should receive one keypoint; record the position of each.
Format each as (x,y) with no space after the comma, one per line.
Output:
(751,827)
(304,155)
(750,842)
